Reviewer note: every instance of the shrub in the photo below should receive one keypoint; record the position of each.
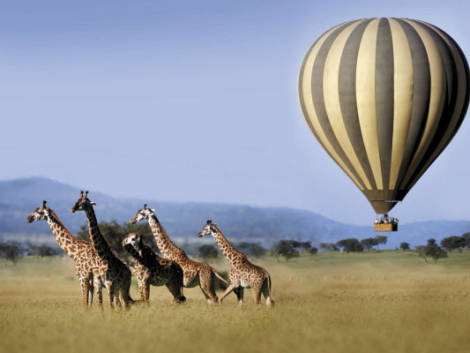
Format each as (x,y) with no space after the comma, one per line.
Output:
(350,245)
(208,251)
(284,248)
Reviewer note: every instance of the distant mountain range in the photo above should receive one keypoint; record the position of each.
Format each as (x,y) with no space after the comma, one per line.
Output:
(19,197)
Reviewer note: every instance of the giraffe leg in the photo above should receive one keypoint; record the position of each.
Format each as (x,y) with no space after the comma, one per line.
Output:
(100,297)
(99,291)
(111,291)
(266,290)
(175,288)
(147,290)
(84,284)
(117,297)
(239,293)
(257,294)
(140,285)
(91,290)
(206,295)
(230,288)
(124,291)
(206,281)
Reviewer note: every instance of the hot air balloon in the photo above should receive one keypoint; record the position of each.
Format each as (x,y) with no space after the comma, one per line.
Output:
(384,97)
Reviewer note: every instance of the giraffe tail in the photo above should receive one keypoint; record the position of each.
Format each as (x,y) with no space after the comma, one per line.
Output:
(220,278)
(269,300)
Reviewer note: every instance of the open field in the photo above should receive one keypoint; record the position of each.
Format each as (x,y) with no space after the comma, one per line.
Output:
(372,302)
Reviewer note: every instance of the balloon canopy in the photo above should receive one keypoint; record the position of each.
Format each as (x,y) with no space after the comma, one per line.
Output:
(384,97)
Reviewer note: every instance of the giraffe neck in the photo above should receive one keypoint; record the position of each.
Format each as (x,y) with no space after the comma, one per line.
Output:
(164,243)
(97,239)
(145,256)
(134,253)
(226,247)
(64,238)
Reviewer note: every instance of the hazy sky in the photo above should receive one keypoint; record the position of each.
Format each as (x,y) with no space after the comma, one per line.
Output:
(194,101)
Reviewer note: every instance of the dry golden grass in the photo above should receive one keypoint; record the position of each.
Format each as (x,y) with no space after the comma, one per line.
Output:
(378,302)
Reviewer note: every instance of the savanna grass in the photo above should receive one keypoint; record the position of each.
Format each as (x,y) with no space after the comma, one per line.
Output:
(375,302)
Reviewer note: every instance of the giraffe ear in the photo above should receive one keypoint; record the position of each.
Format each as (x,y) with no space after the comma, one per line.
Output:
(153,210)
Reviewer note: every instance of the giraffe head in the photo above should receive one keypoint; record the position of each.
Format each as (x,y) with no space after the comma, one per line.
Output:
(134,240)
(208,229)
(83,202)
(143,213)
(40,213)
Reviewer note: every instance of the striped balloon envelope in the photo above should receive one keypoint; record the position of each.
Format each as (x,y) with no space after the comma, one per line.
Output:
(384,97)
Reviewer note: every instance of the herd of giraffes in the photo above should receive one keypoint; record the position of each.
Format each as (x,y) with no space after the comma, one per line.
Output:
(97,266)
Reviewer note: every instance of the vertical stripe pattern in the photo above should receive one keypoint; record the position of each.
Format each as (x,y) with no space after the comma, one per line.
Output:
(384,97)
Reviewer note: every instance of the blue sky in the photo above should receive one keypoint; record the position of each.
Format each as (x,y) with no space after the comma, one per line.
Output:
(194,101)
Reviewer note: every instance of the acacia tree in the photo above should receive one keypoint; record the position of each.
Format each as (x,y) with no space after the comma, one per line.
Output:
(207,251)
(43,250)
(350,245)
(284,248)
(329,246)
(466,238)
(369,243)
(114,233)
(10,252)
(405,246)
(431,250)
(381,239)
(453,242)
(252,249)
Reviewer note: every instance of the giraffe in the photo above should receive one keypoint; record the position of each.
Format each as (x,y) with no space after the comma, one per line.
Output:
(151,269)
(194,272)
(117,276)
(89,266)
(243,274)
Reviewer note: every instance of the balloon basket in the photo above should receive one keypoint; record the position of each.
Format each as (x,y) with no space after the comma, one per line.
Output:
(386,227)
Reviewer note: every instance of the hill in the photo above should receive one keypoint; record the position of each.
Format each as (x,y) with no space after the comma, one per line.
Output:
(20,197)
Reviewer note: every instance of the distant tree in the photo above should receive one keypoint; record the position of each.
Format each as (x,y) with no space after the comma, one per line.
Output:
(284,248)
(251,249)
(453,242)
(299,245)
(10,252)
(405,246)
(350,245)
(43,250)
(83,233)
(114,233)
(431,250)
(369,243)
(420,249)
(466,237)
(303,246)
(381,239)
(313,250)
(329,246)
(208,251)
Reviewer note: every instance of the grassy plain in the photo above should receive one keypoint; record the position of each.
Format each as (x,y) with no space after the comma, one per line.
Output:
(331,302)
